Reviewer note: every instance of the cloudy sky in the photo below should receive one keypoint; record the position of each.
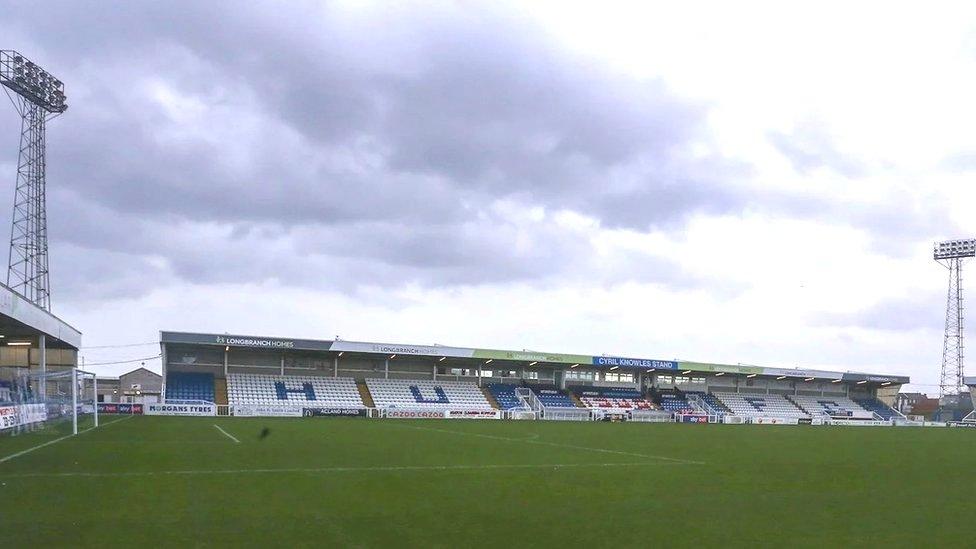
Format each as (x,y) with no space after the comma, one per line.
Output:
(758,184)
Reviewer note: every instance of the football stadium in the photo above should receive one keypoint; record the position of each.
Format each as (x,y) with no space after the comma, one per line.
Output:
(270,441)
(342,443)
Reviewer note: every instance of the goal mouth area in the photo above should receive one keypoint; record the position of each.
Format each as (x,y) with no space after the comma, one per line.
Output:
(60,402)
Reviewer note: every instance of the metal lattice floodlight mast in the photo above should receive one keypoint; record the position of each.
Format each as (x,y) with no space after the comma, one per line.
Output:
(38,97)
(951,254)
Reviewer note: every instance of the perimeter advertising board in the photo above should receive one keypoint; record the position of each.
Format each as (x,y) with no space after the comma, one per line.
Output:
(334,412)
(442,414)
(247,410)
(692,418)
(415,414)
(180,410)
(119,408)
(22,414)
(472,414)
(772,421)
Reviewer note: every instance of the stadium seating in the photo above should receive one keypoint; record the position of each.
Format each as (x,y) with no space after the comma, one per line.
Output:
(189,386)
(749,405)
(265,390)
(821,406)
(616,399)
(674,401)
(711,400)
(552,397)
(425,394)
(504,394)
(878,407)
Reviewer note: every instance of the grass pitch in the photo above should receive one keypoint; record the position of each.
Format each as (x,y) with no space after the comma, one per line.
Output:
(165,481)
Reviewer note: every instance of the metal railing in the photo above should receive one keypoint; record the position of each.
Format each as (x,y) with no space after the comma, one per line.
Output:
(529,399)
(701,405)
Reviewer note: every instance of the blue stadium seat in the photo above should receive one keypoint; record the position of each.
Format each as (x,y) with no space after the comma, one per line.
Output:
(504,394)
(552,397)
(612,398)
(189,386)
(878,407)
(673,401)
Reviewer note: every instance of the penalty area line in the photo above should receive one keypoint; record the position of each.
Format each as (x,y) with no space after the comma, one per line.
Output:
(55,441)
(230,436)
(377,469)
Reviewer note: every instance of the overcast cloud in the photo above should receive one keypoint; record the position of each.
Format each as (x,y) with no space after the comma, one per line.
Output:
(447,172)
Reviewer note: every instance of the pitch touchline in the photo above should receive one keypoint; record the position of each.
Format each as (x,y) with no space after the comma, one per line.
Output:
(55,441)
(557,445)
(230,436)
(390,468)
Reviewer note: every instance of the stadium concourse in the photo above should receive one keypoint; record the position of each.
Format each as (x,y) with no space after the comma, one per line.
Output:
(231,375)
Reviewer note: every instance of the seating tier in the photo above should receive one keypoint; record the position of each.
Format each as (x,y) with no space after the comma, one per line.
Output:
(673,401)
(265,390)
(427,394)
(504,393)
(770,405)
(613,399)
(818,406)
(878,407)
(190,386)
(552,397)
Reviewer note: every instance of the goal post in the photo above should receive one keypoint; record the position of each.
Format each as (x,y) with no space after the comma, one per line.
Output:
(54,402)
(84,400)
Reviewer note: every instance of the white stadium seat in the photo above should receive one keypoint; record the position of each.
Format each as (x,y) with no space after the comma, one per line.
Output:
(427,394)
(771,405)
(828,405)
(263,390)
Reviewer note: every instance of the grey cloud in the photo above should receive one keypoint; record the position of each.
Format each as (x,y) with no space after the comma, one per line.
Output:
(910,312)
(309,140)
(809,147)
(895,222)
(387,147)
(490,249)
(486,104)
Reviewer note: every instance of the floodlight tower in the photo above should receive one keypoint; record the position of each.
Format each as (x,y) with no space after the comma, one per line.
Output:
(38,97)
(950,254)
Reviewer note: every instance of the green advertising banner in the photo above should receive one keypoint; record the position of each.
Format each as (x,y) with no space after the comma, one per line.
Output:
(727,368)
(532,356)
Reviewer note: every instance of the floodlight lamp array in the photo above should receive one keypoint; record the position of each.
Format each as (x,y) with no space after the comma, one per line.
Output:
(953,249)
(31,82)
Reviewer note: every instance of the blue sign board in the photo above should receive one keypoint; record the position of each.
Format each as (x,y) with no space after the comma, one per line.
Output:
(634,362)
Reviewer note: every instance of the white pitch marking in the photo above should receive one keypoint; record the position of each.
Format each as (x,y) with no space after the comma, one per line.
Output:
(29,450)
(50,442)
(232,437)
(108,423)
(390,468)
(558,445)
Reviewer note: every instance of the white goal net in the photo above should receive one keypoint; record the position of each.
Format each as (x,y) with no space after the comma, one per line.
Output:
(55,403)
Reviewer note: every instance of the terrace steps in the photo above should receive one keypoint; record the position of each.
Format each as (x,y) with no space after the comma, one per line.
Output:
(364,393)
(576,400)
(491,398)
(220,391)
(797,404)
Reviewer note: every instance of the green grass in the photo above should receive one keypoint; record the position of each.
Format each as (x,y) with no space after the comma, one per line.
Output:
(162,481)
